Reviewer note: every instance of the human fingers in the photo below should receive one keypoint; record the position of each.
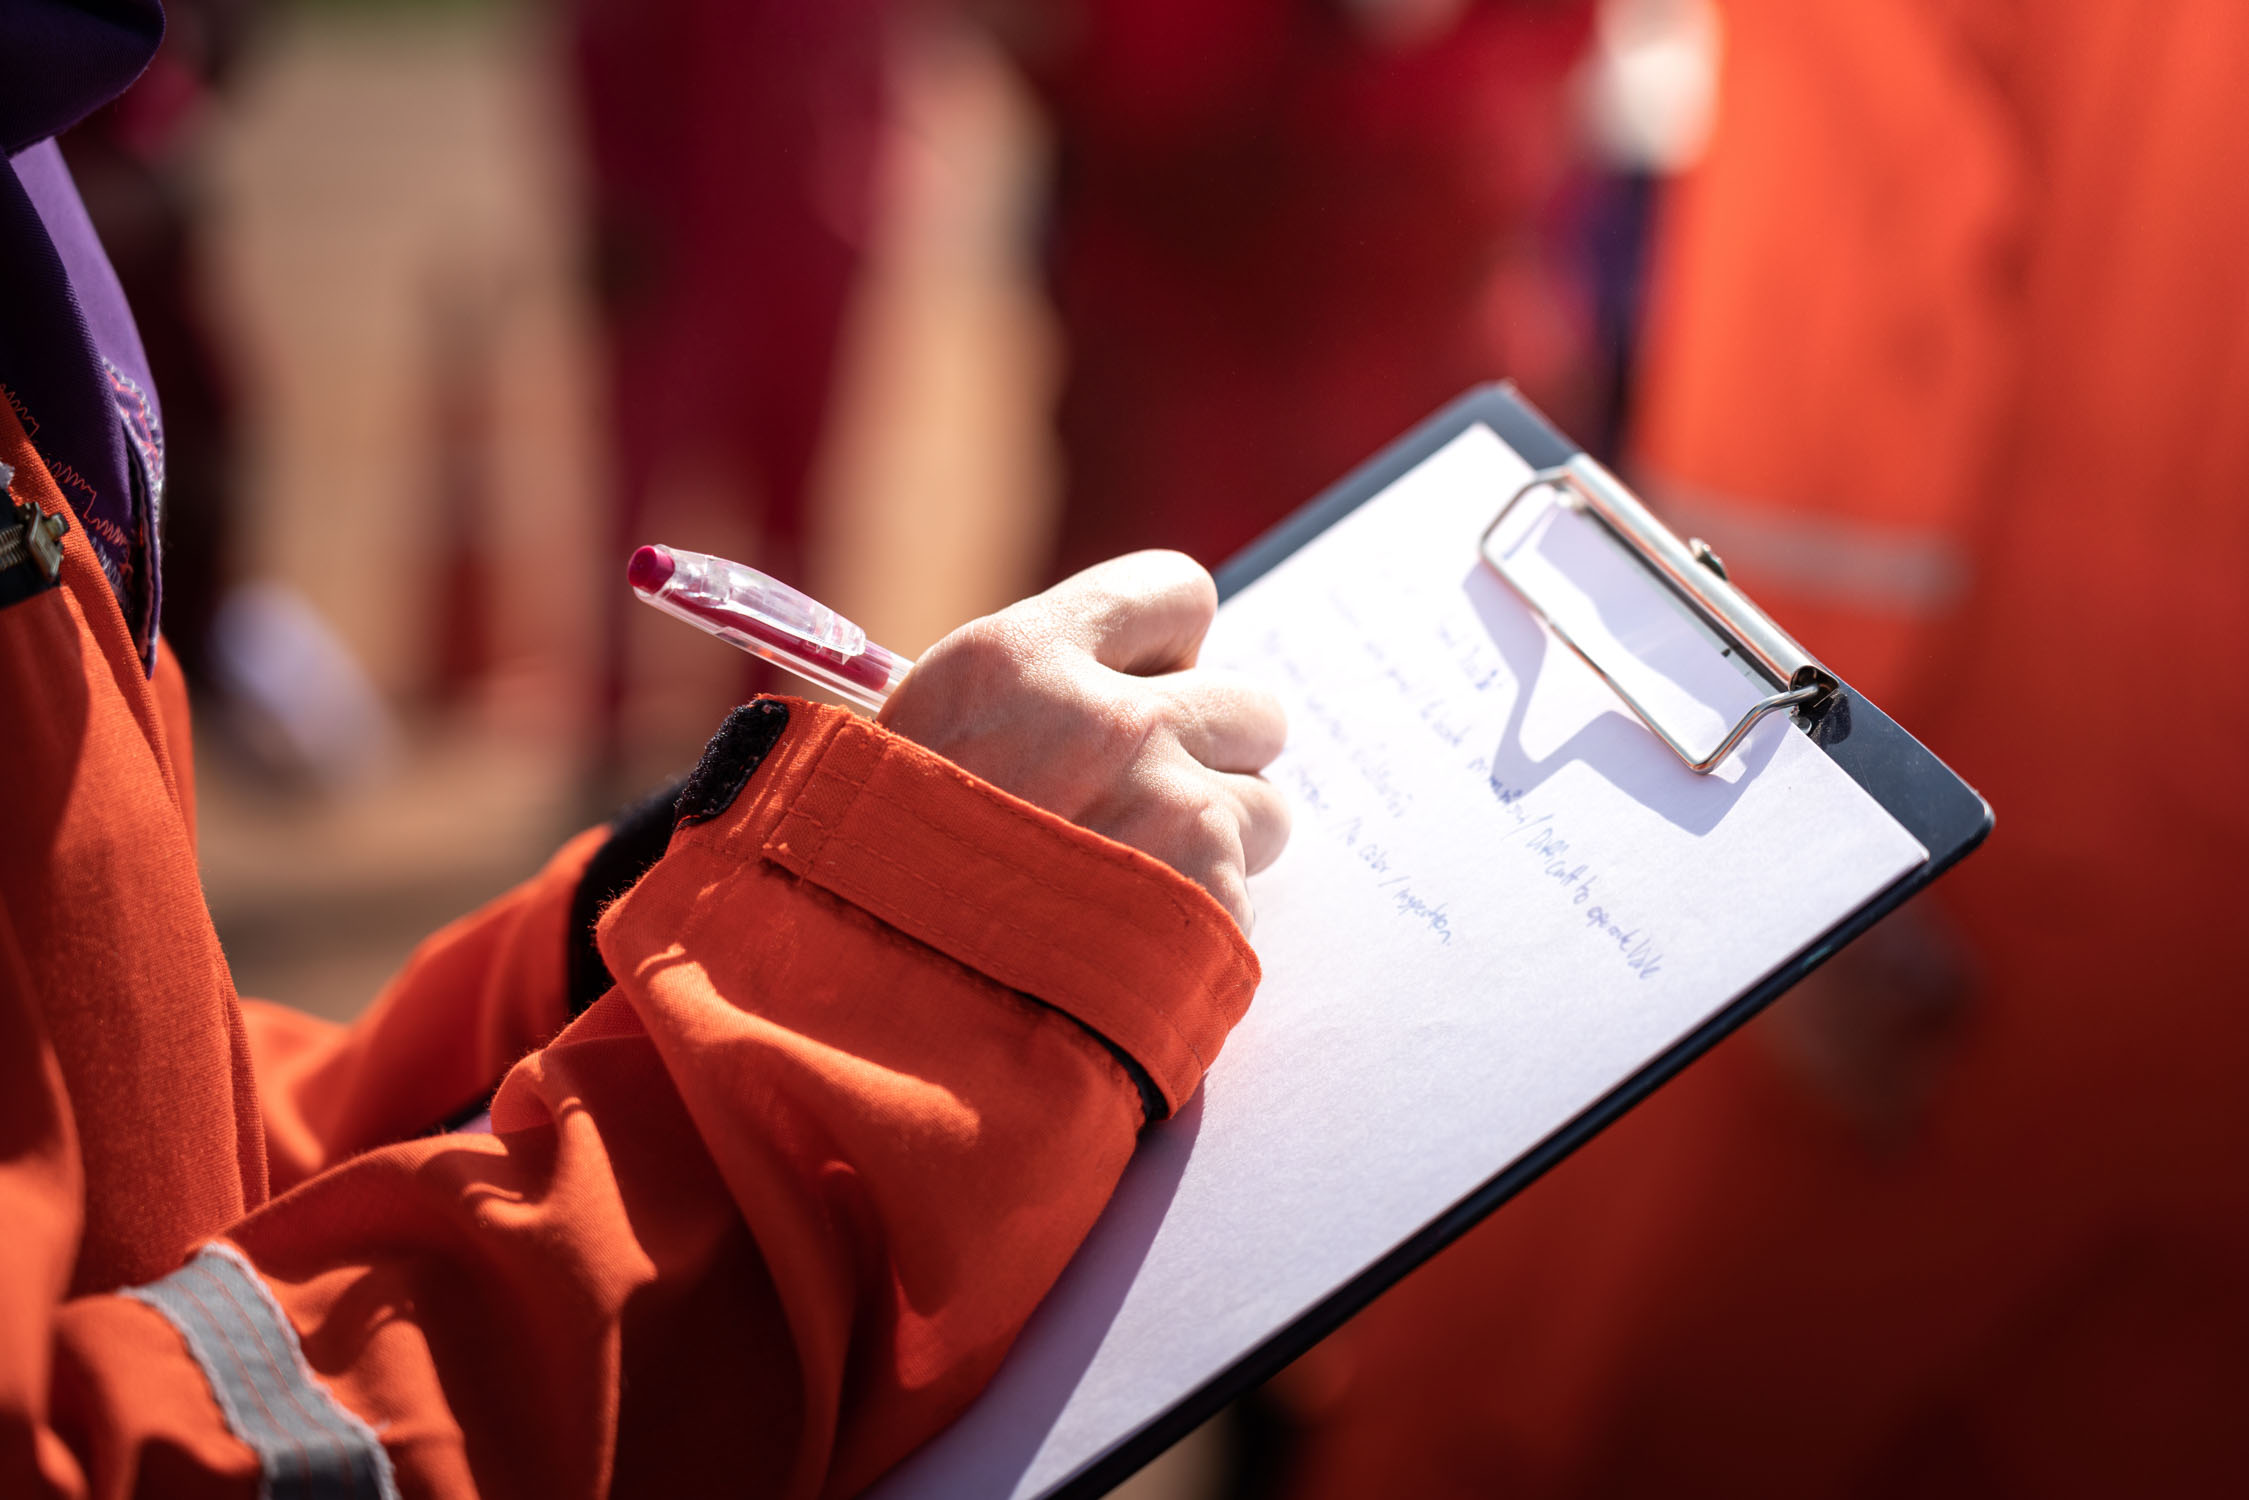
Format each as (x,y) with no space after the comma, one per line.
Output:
(1141,614)
(1243,831)
(1223,721)
(1157,762)
(1262,814)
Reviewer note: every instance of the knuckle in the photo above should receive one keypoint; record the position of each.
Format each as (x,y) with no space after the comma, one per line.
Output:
(1218,834)
(1182,571)
(1192,584)
(1239,703)
(989,653)
(1125,724)
(1177,821)
(981,678)
(1090,590)
(1138,576)
(1205,595)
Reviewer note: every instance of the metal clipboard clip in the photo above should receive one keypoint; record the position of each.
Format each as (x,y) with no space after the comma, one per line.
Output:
(1694,574)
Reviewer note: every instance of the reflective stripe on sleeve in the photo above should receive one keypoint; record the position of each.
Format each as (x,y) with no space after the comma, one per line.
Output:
(1897,570)
(308,1446)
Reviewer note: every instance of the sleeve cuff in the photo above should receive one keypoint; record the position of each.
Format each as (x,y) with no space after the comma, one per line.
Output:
(1137,953)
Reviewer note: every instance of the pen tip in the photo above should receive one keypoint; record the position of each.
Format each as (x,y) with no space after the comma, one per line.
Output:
(650,567)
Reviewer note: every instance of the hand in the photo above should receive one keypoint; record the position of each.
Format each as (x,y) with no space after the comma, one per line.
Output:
(1086,700)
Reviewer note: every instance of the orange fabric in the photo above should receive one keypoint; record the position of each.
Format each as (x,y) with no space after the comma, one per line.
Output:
(105,912)
(2032,1284)
(475,997)
(169,685)
(1831,334)
(959,872)
(764,1217)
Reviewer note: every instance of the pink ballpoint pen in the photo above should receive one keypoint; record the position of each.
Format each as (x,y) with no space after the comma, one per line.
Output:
(767,618)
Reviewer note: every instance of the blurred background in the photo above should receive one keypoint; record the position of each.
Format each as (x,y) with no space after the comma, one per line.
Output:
(1932,315)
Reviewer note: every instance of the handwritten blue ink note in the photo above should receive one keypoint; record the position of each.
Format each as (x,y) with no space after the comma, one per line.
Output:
(1503,898)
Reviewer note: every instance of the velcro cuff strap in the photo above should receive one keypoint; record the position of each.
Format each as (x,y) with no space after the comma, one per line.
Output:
(1121,942)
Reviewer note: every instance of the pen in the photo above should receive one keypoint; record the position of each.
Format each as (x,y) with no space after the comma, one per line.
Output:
(767,618)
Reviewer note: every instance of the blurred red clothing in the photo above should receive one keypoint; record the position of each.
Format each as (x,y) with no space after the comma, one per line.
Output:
(1281,236)
(1952,362)
(731,148)
(1283,230)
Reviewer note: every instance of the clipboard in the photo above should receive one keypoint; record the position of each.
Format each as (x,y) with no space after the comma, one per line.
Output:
(1916,790)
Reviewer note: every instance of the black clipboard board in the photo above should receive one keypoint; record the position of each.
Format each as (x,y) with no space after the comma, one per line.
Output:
(1896,770)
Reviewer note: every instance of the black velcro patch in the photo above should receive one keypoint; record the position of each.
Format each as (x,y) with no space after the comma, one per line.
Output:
(637,839)
(639,836)
(730,759)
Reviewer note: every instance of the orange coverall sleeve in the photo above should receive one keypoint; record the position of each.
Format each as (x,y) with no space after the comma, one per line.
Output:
(476,996)
(762,1219)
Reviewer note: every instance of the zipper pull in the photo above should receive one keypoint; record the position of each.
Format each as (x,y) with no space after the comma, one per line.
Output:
(35,535)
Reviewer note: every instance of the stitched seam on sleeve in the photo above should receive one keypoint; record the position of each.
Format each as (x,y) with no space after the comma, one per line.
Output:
(1082,1034)
(807,855)
(1234,963)
(1017,812)
(1126,862)
(814,774)
(1176,972)
(957,898)
(1118,859)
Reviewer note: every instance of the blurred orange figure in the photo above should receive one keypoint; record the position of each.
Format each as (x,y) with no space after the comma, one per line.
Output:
(1951,360)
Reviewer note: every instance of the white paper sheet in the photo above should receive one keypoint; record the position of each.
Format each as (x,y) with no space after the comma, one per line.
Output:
(1503,897)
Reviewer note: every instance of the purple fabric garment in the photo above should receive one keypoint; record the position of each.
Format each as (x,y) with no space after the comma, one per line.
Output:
(71,363)
(60,60)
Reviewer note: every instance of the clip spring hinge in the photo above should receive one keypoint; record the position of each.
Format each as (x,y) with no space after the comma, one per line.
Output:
(1697,577)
